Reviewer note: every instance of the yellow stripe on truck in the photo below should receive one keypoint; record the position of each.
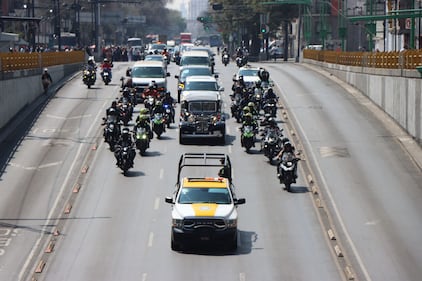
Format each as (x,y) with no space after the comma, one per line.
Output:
(204,210)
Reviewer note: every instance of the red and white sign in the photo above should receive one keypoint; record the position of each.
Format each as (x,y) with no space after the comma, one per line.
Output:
(408,23)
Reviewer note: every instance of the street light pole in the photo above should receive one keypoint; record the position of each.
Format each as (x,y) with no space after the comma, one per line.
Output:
(57,28)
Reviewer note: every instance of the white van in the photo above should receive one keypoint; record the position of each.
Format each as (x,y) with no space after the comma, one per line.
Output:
(195,58)
(143,73)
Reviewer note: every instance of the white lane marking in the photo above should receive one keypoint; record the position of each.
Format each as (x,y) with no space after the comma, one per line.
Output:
(2,251)
(59,196)
(35,167)
(242,276)
(161,174)
(150,239)
(370,223)
(68,118)
(4,242)
(50,164)
(228,129)
(157,203)
(144,276)
(230,149)
(325,184)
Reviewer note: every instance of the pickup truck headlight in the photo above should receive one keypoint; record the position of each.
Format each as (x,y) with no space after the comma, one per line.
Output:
(232,223)
(177,223)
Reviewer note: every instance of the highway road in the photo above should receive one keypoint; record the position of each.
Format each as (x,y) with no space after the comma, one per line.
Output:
(68,213)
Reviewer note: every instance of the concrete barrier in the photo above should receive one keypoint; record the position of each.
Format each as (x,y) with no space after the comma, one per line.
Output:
(397,92)
(21,88)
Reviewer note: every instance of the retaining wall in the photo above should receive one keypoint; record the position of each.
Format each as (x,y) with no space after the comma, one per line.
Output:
(18,89)
(397,92)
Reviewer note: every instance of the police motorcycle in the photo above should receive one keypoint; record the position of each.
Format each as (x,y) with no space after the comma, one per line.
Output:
(126,110)
(158,123)
(270,107)
(124,151)
(256,97)
(286,170)
(236,105)
(271,143)
(142,139)
(225,59)
(248,137)
(89,76)
(241,61)
(111,130)
(168,114)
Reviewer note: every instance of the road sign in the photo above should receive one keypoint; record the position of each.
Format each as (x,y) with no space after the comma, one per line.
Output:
(408,23)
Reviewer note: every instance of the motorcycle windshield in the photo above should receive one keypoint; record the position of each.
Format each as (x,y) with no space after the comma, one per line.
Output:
(140,131)
(287,157)
(111,119)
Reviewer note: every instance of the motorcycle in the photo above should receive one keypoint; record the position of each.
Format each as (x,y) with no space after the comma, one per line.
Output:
(106,75)
(247,138)
(158,124)
(226,59)
(149,102)
(88,77)
(235,107)
(270,107)
(125,156)
(111,131)
(271,145)
(142,140)
(168,114)
(240,61)
(257,99)
(286,170)
(126,113)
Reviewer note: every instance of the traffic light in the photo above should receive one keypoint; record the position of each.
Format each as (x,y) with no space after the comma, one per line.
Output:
(201,19)
(263,28)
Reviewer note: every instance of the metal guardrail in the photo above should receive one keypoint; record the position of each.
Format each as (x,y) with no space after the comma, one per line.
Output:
(21,61)
(409,59)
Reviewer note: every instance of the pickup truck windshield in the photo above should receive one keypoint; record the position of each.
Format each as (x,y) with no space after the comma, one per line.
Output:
(193,195)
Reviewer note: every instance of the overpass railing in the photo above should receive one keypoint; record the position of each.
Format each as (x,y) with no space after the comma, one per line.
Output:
(409,59)
(21,61)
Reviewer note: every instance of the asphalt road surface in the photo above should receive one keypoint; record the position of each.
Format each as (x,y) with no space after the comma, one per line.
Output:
(68,213)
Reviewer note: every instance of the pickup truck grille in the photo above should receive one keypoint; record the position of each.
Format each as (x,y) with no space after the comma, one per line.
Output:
(204,223)
(201,124)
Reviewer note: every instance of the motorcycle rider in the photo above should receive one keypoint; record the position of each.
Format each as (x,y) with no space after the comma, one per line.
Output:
(287,148)
(159,108)
(264,75)
(143,123)
(166,54)
(91,64)
(152,90)
(225,52)
(142,112)
(46,80)
(113,110)
(239,52)
(169,100)
(106,63)
(248,121)
(269,94)
(252,109)
(239,83)
(125,140)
